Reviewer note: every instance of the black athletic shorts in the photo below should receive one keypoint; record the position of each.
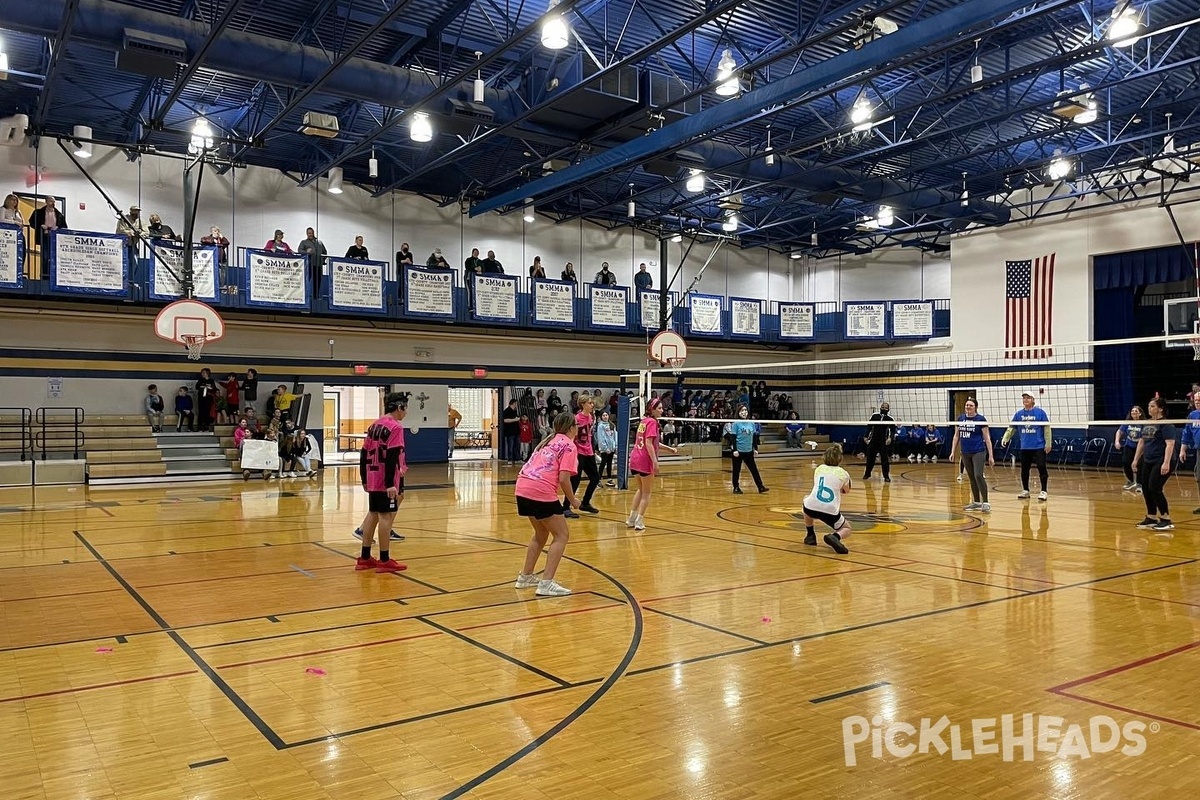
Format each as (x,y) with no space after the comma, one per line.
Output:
(380,503)
(538,509)
(642,474)
(834,521)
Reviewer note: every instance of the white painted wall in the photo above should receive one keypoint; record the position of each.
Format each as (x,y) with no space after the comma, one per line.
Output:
(893,273)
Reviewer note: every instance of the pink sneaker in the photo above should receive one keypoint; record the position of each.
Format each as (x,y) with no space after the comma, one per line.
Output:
(391,565)
(366,563)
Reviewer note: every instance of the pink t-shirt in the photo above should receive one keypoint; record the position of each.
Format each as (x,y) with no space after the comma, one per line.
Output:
(646,440)
(585,424)
(538,479)
(384,434)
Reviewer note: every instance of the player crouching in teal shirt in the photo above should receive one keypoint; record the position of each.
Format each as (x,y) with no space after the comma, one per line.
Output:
(1035,443)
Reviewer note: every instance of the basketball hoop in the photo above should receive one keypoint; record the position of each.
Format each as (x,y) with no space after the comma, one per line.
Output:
(189,323)
(676,364)
(669,349)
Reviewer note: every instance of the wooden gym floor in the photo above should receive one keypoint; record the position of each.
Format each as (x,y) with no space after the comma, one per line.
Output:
(215,642)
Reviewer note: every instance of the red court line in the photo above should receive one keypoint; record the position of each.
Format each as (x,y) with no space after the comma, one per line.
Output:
(645,600)
(233,577)
(965,569)
(1144,597)
(1123,668)
(98,686)
(1135,712)
(358,646)
(538,616)
(52,596)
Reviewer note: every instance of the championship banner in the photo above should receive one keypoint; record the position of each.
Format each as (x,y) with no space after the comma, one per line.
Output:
(745,317)
(496,298)
(356,285)
(89,263)
(649,309)
(865,320)
(609,307)
(705,318)
(165,286)
(429,292)
(260,454)
(553,303)
(275,281)
(912,319)
(12,257)
(797,321)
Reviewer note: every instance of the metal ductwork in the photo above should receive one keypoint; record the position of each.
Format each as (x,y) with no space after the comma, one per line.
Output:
(107,25)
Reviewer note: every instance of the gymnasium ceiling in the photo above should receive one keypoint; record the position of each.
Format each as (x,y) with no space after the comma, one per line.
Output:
(631,105)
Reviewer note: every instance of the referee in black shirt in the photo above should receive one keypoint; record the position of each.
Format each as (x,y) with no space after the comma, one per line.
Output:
(879,441)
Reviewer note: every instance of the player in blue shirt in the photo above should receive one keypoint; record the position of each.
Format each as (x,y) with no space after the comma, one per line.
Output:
(973,439)
(932,443)
(1191,438)
(745,435)
(1156,455)
(1035,443)
(1126,441)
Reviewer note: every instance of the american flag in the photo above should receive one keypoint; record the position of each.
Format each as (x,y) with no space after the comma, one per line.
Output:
(1029,307)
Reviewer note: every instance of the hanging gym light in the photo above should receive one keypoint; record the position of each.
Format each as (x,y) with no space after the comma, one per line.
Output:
(1125,26)
(728,83)
(83,147)
(335,180)
(421,129)
(695,183)
(555,33)
(862,113)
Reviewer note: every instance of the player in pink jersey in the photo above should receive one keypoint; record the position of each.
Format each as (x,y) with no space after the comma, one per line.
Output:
(381,467)
(585,428)
(549,469)
(643,462)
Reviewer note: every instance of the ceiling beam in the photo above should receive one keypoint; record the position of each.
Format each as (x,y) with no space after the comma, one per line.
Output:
(57,46)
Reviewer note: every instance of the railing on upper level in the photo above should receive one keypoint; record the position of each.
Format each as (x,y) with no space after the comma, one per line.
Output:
(272,283)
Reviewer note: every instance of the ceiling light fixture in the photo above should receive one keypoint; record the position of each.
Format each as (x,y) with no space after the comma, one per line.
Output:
(83,147)
(555,33)
(1090,111)
(1125,26)
(977,68)
(886,216)
(1060,168)
(730,224)
(796,255)
(728,83)
(335,180)
(479,86)
(677,238)
(421,129)
(631,207)
(770,151)
(696,182)
(528,216)
(861,112)
(3,64)
(965,197)
(373,165)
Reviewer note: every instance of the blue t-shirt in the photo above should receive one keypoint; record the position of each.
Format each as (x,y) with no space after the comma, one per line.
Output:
(1191,431)
(794,427)
(743,435)
(1130,434)
(915,434)
(1033,437)
(1154,441)
(971,431)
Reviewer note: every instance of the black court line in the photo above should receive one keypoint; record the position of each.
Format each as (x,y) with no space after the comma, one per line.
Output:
(233,697)
(704,625)
(848,692)
(417,581)
(208,763)
(272,619)
(493,651)
(122,640)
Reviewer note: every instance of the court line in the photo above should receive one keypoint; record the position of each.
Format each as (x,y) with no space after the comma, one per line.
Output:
(703,625)
(291,568)
(848,692)
(54,596)
(493,651)
(1124,667)
(208,763)
(1145,597)
(417,581)
(238,703)
(756,585)
(1127,710)
(93,686)
(536,617)
(303,571)
(358,646)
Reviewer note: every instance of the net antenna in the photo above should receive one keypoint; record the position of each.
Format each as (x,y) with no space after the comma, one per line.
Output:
(189,323)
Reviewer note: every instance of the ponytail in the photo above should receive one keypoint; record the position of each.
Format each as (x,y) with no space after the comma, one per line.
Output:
(562,424)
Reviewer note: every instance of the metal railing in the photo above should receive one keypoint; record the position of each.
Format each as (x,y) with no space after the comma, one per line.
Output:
(19,420)
(44,425)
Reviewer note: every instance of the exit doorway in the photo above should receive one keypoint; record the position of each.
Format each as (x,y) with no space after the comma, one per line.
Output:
(348,412)
(958,401)
(475,437)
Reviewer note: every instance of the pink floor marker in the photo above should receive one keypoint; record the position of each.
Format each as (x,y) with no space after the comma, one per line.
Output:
(315,671)
(766,619)
(104,649)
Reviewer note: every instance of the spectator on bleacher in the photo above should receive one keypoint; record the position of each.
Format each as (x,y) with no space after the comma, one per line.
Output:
(241,433)
(251,416)
(404,256)
(543,424)
(554,404)
(795,429)
(298,459)
(232,401)
(357,250)
(604,277)
(133,228)
(283,402)
(491,266)
(606,446)
(933,444)
(206,396)
(525,437)
(183,410)
(670,436)
(568,273)
(536,270)
(154,408)
(644,280)
(158,230)
(539,400)
(910,442)
(217,239)
(573,403)
(277,244)
(436,261)
(44,221)
(9,212)
(614,402)
(250,387)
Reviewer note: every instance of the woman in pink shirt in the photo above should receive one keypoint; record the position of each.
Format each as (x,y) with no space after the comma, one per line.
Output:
(550,468)
(643,462)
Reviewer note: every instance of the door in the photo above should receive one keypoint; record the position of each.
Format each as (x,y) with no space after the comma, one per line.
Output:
(329,423)
(958,401)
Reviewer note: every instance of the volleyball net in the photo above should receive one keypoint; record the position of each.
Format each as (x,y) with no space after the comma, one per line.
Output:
(1087,389)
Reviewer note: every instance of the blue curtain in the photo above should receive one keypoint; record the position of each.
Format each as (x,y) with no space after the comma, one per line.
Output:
(1113,366)
(1142,268)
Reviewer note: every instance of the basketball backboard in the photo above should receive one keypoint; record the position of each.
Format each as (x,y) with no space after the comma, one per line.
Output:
(1180,318)
(189,323)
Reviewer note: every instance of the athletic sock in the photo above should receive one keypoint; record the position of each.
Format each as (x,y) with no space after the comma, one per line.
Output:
(811,530)
(366,553)
(383,555)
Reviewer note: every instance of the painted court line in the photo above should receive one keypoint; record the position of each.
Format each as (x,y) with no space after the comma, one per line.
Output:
(848,692)
(208,763)
(359,646)
(94,686)
(301,571)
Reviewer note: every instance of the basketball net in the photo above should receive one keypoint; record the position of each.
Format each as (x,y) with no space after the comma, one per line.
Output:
(676,364)
(1196,348)
(194,344)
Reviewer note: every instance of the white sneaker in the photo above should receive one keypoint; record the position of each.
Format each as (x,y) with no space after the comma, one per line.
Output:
(911,459)
(972,506)
(1137,489)
(934,459)
(1042,495)
(1129,486)
(985,506)
(631,520)
(527,581)
(1024,495)
(959,478)
(639,525)
(552,589)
